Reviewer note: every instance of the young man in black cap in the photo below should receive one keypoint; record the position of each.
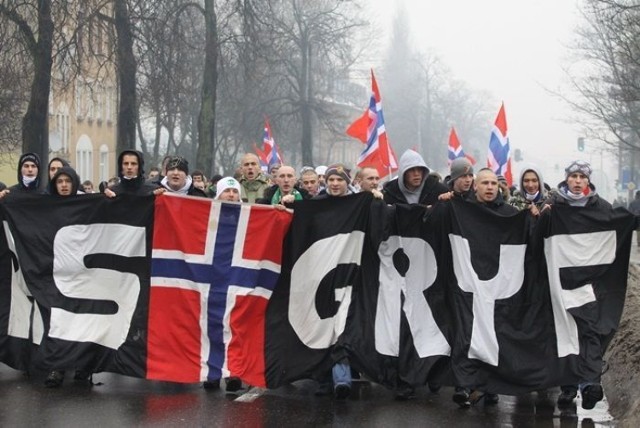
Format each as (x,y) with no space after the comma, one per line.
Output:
(28,174)
(178,180)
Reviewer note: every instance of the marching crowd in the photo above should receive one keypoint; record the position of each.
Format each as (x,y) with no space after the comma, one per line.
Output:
(283,185)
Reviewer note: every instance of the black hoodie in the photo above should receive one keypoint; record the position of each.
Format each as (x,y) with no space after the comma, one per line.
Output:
(134,186)
(75,181)
(34,186)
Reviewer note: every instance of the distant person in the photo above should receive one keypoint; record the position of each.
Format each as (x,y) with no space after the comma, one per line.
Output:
(28,175)
(87,187)
(634,207)
(414,185)
(131,173)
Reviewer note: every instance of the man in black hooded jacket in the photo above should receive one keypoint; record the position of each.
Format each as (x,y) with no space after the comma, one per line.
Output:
(131,173)
(28,175)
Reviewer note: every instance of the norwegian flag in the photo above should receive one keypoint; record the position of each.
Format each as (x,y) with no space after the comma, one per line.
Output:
(269,147)
(455,149)
(214,274)
(499,157)
(370,129)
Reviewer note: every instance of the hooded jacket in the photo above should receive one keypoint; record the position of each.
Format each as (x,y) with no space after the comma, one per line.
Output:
(519,198)
(591,199)
(34,186)
(135,186)
(252,190)
(65,170)
(395,191)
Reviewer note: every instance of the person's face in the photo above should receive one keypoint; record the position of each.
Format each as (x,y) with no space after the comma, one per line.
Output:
(310,183)
(29,169)
(130,166)
(369,179)
(336,185)
(87,188)
(176,178)
(198,182)
(321,181)
(54,167)
(413,177)
(153,174)
(230,195)
(530,182)
(250,167)
(577,182)
(286,179)
(463,183)
(486,186)
(64,185)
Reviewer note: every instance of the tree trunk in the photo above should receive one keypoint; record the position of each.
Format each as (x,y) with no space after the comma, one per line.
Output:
(305,108)
(128,108)
(35,129)
(207,119)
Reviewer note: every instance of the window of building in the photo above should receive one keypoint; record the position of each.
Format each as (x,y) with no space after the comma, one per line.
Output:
(104,163)
(84,158)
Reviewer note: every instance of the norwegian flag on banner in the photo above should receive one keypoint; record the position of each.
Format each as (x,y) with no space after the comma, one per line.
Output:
(214,270)
(499,157)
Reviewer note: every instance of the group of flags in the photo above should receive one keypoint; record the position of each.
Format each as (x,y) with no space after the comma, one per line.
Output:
(370,130)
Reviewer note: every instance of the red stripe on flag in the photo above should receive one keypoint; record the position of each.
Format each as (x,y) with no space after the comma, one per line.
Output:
(171,232)
(173,343)
(257,246)
(245,354)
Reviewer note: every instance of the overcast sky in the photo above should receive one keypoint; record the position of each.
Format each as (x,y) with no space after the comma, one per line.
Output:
(514,50)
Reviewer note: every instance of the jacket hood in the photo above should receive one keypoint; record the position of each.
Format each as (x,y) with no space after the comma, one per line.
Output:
(410,159)
(140,162)
(62,161)
(65,170)
(536,170)
(35,159)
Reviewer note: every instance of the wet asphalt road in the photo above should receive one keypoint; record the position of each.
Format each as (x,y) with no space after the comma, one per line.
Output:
(121,401)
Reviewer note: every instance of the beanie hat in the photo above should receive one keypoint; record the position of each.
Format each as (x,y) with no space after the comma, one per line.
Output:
(337,169)
(29,157)
(226,183)
(578,166)
(179,163)
(321,170)
(460,167)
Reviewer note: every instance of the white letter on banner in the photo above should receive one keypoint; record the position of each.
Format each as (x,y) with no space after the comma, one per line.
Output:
(427,337)
(562,251)
(312,266)
(21,306)
(507,282)
(71,244)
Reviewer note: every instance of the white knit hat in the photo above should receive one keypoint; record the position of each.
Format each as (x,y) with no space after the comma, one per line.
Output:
(226,183)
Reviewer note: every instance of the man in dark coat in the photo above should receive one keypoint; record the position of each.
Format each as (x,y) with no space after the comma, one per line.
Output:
(414,185)
(131,173)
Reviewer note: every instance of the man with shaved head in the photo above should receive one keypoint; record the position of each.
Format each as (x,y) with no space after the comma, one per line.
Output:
(488,194)
(253,182)
(285,191)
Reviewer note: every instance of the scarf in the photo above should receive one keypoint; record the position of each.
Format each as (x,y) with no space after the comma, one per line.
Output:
(277,196)
(183,190)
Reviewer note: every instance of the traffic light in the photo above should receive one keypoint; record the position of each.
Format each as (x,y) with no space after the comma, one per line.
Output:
(581,144)
(517,155)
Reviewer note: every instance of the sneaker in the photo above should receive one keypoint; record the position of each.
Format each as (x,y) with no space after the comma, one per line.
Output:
(567,395)
(591,394)
(342,391)
(491,399)
(406,393)
(233,384)
(434,387)
(211,384)
(462,397)
(81,376)
(54,379)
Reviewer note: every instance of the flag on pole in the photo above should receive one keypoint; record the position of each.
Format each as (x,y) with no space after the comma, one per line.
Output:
(499,157)
(455,149)
(370,129)
(269,147)
(262,156)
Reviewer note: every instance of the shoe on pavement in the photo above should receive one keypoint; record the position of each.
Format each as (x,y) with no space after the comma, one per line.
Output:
(211,384)
(591,394)
(462,397)
(566,397)
(406,393)
(342,391)
(233,384)
(54,379)
(491,399)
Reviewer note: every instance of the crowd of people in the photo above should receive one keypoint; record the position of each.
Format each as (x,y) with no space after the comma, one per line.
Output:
(282,185)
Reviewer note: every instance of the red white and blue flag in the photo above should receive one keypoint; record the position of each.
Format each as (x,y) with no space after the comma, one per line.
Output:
(370,129)
(455,149)
(269,147)
(215,274)
(499,157)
